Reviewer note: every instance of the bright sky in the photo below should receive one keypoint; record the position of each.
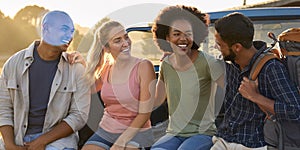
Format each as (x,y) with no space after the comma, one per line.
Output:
(88,12)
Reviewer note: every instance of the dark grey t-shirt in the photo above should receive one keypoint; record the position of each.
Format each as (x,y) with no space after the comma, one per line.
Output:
(41,75)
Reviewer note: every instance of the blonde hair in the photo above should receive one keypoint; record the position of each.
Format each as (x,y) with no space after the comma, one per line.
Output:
(97,59)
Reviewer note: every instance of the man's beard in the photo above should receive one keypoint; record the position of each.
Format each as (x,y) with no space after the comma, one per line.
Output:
(231,56)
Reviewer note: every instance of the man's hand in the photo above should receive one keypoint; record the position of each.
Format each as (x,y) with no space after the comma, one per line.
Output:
(249,89)
(15,147)
(35,145)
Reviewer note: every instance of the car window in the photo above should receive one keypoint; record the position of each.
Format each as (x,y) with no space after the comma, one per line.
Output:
(143,46)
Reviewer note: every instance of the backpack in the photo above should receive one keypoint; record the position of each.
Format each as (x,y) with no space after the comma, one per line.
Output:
(289,42)
(286,134)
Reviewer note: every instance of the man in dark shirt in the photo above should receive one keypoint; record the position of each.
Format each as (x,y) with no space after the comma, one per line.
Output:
(44,100)
(246,101)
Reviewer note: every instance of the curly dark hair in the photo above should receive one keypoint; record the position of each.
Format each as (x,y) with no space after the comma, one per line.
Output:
(162,24)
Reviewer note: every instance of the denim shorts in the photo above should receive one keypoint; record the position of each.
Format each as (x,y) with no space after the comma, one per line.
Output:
(104,139)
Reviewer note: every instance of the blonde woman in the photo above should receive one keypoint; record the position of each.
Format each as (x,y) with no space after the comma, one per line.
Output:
(125,83)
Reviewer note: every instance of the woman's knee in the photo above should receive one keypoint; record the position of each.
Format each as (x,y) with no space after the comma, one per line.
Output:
(197,142)
(92,147)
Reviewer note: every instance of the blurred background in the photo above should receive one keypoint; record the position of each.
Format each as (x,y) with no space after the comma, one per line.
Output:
(20,20)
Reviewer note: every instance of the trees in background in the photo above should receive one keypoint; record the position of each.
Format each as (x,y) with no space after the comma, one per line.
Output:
(30,15)
(19,32)
(23,29)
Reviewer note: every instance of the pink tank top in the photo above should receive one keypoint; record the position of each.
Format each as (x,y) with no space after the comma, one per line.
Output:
(121,102)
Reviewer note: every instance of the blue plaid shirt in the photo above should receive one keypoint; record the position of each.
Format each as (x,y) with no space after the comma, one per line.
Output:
(243,122)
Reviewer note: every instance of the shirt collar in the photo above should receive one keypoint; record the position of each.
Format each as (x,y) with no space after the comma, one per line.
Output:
(260,46)
(30,49)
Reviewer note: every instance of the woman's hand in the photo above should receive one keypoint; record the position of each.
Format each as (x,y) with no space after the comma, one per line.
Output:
(165,54)
(76,57)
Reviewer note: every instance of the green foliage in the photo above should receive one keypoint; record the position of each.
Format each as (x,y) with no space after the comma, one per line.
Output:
(1,15)
(23,29)
(76,41)
(31,15)
(19,32)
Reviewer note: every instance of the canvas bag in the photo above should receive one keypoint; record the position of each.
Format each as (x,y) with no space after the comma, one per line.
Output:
(289,42)
(286,134)
(283,135)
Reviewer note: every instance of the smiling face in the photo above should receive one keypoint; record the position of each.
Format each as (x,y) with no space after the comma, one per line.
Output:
(119,44)
(180,36)
(57,29)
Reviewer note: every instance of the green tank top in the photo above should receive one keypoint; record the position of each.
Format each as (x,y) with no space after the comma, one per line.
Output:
(189,95)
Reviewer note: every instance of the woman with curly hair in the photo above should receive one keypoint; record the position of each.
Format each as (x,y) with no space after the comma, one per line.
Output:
(186,78)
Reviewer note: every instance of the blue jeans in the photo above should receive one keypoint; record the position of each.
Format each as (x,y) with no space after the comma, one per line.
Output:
(196,142)
(31,137)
